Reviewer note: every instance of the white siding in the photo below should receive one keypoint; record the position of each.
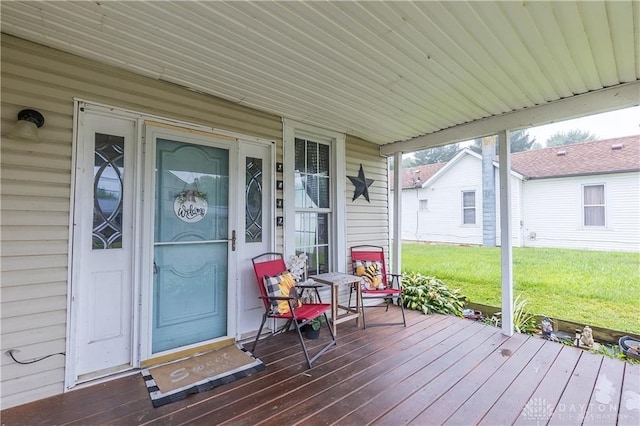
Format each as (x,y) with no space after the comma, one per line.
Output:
(516,210)
(36,189)
(442,221)
(553,213)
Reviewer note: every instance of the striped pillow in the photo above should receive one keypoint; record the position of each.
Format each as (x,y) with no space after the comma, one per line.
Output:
(282,285)
(371,273)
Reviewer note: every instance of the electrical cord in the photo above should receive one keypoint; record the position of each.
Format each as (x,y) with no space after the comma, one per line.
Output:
(10,353)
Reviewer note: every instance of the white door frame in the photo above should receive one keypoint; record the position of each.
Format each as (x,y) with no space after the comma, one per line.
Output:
(81,108)
(142,258)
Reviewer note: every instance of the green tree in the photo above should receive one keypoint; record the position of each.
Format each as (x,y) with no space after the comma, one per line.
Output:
(570,137)
(520,141)
(439,154)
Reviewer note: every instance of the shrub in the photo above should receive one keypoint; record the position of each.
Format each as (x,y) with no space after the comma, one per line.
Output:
(523,320)
(430,295)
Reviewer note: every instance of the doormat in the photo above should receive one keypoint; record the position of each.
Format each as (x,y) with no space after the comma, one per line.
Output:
(175,381)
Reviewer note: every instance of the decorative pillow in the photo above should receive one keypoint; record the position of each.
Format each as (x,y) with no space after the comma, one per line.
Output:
(371,273)
(282,285)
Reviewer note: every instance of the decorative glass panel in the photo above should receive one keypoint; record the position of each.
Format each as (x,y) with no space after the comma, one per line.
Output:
(108,194)
(253,194)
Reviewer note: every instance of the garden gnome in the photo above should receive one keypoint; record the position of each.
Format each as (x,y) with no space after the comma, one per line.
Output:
(587,337)
(547,328)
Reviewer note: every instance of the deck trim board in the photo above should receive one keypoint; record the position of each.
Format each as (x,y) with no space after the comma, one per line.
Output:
(437,369)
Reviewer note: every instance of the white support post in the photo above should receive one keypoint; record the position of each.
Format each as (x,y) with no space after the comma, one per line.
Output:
(397,213)
(505,233)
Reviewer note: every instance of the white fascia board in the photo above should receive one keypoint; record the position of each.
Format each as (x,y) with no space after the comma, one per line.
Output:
(603,100)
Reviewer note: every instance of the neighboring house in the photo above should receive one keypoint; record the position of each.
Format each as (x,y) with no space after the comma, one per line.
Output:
(582,196)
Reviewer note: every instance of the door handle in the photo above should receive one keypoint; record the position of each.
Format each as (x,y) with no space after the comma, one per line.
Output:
(233,240)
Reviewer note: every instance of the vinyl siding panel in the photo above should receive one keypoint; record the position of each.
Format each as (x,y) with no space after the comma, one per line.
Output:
(367,223)
(562,226)
(36,182)
(36,189)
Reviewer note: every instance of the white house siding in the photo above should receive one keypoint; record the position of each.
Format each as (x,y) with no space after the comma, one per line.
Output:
(442,221)
(516,210)
(554,213)
(36,190)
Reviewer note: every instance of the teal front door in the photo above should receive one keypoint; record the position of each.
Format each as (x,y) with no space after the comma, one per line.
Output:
(191,244)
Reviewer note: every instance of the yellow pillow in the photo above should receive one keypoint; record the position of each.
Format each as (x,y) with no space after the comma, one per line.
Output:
(371,273)
(282,285)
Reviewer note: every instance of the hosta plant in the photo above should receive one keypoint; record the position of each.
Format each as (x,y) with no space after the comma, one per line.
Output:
(430,295)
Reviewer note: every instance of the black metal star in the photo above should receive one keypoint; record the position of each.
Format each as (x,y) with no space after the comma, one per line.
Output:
(362,185)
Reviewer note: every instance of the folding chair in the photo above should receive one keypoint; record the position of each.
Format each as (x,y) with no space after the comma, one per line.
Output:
(369,262)
(271,265)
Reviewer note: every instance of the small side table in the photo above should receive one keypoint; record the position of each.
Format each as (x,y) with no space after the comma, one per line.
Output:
(335,280)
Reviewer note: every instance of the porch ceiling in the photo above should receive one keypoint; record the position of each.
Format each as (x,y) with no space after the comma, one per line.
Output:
(383,71)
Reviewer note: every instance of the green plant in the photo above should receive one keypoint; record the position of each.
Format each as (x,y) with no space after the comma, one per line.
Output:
(523,320)
(613,352)
(316,323)
(430,295)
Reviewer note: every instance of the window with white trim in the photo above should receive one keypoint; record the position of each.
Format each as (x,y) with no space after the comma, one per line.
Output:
(313,203)
(593,205)
(314,187)
(424,205)
(468,207)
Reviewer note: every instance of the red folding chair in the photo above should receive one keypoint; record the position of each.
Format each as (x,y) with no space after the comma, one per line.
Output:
(272,265)
(369,262)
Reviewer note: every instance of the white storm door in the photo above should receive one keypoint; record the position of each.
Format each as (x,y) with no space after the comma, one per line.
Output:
(256,228)
(102,280)
(193,232)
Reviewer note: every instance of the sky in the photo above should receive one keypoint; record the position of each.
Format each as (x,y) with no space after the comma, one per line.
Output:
(623,122)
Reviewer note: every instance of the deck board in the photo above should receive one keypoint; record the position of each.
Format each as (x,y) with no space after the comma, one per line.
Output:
(437,370)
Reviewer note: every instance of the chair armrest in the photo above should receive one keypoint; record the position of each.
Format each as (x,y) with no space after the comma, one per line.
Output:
(275,298)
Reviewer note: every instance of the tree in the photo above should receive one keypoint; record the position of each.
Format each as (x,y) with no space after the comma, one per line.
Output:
(439,154)
(520,141)
(570,137)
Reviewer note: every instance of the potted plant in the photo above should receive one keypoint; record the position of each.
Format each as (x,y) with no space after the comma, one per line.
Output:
(312,328)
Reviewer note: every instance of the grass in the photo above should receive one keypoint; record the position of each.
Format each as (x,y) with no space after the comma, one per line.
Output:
(591,287)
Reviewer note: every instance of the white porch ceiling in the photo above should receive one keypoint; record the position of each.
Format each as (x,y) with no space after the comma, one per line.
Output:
(383,71)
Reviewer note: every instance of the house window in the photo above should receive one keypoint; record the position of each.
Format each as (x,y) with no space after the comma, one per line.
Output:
(468,207)
(593,205)
(313,203)
(424,205)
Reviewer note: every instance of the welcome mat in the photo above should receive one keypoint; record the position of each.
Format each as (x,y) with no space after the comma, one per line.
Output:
(175,381)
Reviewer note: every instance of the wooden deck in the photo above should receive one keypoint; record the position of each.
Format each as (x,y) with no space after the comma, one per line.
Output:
(437,370)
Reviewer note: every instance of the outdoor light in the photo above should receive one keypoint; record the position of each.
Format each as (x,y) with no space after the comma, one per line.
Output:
(578,335)
(29,120)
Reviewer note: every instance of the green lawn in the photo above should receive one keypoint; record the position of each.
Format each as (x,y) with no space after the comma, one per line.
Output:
(592,287)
